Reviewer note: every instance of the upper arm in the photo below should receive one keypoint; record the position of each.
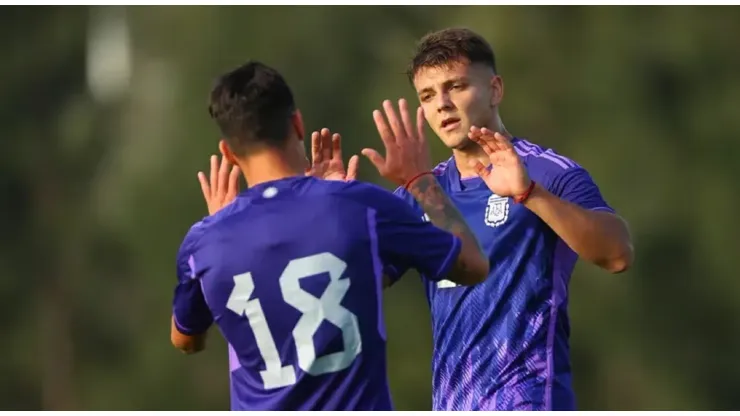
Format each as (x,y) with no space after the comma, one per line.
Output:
(406,241)
(191,316)
(393,272)
(575,185)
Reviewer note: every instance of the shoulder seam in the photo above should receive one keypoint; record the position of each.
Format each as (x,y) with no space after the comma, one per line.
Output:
(441,166)
(525,148)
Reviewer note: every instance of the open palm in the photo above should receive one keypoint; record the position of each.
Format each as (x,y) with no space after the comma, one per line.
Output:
(406,147)
(223,185)
(507,175)
(326,158)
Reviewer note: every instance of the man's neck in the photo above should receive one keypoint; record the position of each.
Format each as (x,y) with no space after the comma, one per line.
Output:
(269,165)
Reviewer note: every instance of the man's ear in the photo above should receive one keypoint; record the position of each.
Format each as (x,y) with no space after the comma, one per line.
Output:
(497,90)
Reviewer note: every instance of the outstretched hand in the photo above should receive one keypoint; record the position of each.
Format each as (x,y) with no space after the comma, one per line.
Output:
(223,186)
(507,175)
(326,158)
(406,148)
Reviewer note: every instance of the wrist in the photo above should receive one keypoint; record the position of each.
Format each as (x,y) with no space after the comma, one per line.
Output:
(535,196)
(420,187)
(524,196)
(409,182)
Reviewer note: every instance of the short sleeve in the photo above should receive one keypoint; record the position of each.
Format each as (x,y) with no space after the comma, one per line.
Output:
(406,241)
(189,308)
(395,271)
(576,185)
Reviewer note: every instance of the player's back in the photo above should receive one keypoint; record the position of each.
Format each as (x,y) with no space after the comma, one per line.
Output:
(291,275)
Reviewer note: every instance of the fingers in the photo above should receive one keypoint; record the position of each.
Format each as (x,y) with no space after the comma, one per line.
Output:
(495,140)
(326,148)
(485,142)
(214,172)
(223,177)
(479,168)
(408,126)
(375,158)
(315,147)
(336,147)
(420,124)
(386,134)
(501,140)
(396,125)
(352,167)
(233,182)
(204,186)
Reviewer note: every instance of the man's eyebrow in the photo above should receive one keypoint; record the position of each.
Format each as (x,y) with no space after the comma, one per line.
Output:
(426,89)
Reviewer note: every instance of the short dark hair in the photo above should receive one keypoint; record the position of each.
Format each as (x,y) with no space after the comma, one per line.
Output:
(451,45)
(252,105)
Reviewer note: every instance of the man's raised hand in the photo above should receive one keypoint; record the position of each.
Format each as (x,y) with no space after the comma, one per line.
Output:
(223,186)
(326,158)
(507,176)
(406,149)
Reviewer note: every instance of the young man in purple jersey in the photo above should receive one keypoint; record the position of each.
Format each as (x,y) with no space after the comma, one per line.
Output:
(503,344)
(291,271)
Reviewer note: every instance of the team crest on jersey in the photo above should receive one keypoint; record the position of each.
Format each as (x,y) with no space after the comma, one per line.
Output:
(497,210)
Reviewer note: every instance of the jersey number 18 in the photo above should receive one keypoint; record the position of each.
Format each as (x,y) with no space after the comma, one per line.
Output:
(313,311)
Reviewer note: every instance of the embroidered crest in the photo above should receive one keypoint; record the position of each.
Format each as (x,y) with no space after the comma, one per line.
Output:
(497,210)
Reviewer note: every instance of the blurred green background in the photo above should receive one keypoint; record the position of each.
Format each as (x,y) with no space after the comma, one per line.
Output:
(104,125)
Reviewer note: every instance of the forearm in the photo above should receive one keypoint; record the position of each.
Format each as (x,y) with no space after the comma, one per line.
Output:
(443,214)
(599,237)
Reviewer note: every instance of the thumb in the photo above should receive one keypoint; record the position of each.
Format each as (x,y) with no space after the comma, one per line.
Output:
(352,168)
(375,158)
(479,168)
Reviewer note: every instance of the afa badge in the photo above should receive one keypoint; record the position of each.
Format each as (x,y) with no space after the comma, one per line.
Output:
(497,210)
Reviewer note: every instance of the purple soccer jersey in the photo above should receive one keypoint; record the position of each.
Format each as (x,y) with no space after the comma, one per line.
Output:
(291,273)
(503,344)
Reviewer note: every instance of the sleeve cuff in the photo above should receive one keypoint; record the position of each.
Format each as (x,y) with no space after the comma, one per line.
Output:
(182,328)
(449,260)
(605,209)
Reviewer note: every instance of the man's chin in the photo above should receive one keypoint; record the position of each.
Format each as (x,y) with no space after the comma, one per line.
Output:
(462,143)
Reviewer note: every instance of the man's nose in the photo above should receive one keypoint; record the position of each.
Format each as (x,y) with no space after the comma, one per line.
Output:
(444,103)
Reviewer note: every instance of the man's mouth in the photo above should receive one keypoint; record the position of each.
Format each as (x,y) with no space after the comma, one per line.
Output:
(450,123)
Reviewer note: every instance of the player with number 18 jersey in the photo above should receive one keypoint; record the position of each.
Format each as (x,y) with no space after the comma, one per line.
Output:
(291,273)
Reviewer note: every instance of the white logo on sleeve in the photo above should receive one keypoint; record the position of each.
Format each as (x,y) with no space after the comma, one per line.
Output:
(497,210)
(446,284)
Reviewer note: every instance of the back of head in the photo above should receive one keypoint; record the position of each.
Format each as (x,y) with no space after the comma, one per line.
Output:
(252,106)
(452,45)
